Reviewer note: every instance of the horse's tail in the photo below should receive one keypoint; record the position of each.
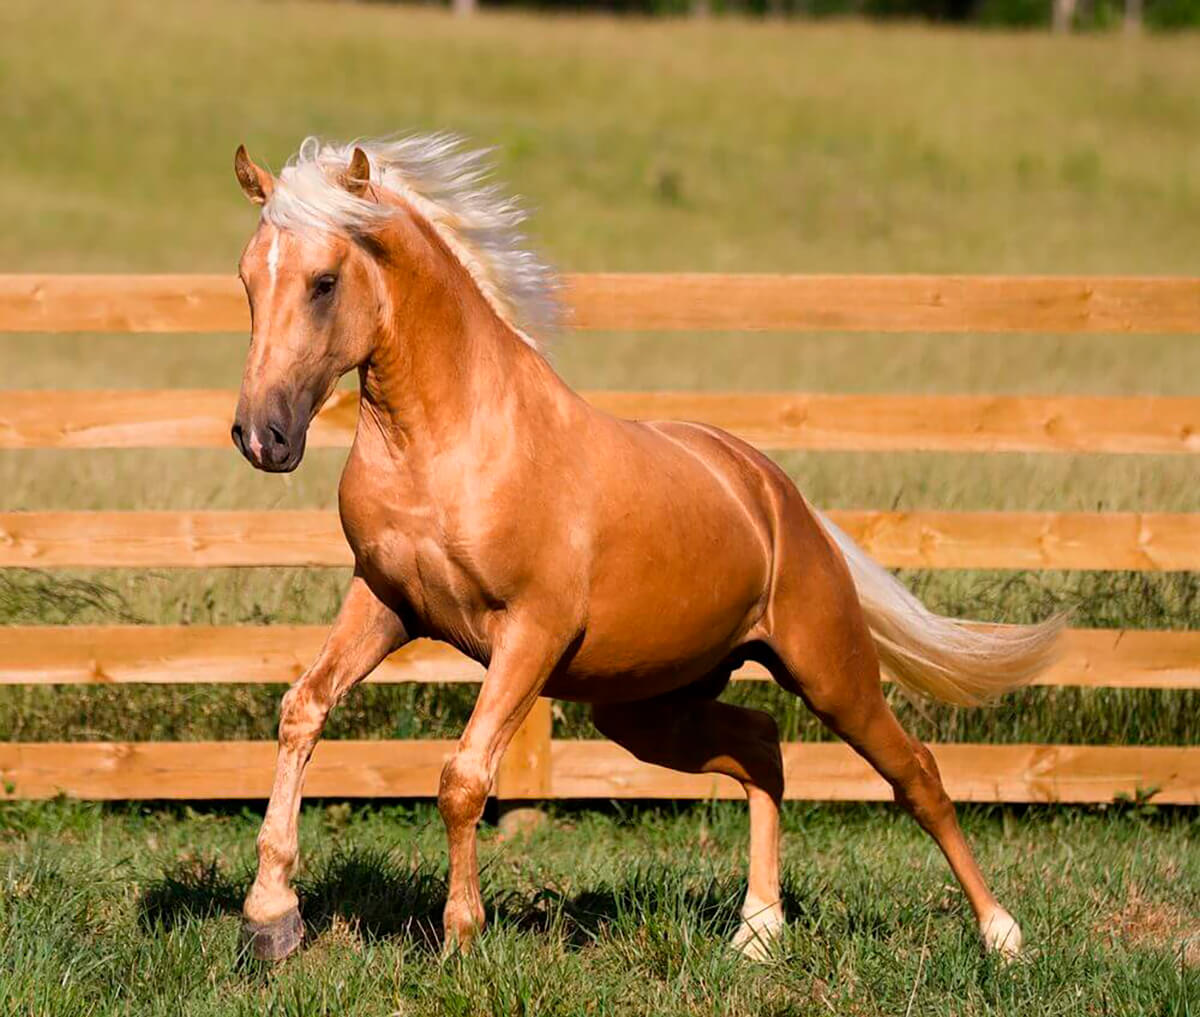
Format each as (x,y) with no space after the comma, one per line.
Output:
(948,659)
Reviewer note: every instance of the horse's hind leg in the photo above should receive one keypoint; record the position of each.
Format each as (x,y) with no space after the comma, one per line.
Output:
(699,735)
(826,655)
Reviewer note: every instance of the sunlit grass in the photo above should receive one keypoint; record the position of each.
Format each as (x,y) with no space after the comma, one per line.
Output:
(727,145)
(134,910)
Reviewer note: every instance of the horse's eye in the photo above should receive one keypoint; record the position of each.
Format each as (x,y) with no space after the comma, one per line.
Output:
(323,286)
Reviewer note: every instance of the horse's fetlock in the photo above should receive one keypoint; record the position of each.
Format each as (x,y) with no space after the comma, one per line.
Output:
(272,855)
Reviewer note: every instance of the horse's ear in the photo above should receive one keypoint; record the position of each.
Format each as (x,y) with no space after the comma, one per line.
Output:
(257,183)
(357,177)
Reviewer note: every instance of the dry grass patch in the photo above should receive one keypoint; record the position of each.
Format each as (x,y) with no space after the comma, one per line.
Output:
(1144,923)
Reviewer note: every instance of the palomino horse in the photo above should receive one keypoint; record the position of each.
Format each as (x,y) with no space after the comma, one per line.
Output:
(629,565)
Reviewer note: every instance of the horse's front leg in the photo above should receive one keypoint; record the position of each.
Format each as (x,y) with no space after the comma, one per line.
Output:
(517,673)
(365,632)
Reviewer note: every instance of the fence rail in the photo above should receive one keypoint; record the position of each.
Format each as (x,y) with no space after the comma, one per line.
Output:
(1157,541)
(258,654)
(198,418)
(586,769)
(679,302)
(537,766)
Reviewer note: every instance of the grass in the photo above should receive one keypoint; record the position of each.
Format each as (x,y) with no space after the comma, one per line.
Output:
(643,145)
(133,910)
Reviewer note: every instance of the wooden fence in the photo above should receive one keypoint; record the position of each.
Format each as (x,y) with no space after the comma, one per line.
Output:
(537,766)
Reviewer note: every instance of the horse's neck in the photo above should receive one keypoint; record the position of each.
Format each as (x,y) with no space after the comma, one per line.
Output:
(449,366)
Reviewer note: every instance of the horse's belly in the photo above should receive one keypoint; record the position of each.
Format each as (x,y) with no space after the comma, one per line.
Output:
(584,684)
(667,619)
(681,570)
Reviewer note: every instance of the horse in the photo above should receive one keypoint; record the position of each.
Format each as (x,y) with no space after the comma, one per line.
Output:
(629,565)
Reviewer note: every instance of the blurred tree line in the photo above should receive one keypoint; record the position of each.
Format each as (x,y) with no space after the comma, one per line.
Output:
(1060,14)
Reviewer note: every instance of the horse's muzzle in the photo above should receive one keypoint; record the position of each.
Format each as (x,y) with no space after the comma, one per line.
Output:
(273,442)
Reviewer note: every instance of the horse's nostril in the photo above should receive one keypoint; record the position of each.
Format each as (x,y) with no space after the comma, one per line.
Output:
(236,433)
(278,437)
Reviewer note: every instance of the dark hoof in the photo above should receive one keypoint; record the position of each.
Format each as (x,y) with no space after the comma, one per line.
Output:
(275,940)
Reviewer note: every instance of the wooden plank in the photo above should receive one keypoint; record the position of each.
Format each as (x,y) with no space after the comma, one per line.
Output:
(672,302)
(226,770)
(947,423)
(162,539)
(941,423)
(200,654)
(971,772)
(1154,541)
(1127,658)
(122,303)
(258,654)
(815,771)
(525,769)
(884,303)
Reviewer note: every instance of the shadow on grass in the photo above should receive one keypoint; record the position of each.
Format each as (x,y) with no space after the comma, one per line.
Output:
(642,900)
(381,897)
(193,889)
(365,888)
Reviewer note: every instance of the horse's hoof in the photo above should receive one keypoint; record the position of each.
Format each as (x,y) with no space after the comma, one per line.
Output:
(1001,935)
(459,939)
(273,941)
(757,937)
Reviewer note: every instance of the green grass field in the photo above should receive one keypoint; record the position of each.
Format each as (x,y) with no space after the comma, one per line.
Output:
(642,145)
(134,911)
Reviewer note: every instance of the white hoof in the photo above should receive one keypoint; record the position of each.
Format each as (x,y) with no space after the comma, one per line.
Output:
(1001,934)
(761,926)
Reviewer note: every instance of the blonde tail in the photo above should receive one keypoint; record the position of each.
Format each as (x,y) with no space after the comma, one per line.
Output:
(945,658)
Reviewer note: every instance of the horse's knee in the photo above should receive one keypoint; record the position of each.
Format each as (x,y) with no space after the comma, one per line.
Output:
(761,725)
(301,717)
(463,790)
(611,721)
(763,756)
(645,732)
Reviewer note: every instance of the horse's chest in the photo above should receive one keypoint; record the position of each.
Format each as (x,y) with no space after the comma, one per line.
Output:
(424,559)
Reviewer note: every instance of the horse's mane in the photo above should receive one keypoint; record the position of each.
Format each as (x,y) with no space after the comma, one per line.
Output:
(448,185)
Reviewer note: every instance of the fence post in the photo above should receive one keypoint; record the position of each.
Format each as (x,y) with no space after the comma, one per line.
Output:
(1063,15)
(524,775)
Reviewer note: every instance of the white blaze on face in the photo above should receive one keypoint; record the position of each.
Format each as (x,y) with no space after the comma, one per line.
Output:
(264,307)
(263,314)
(273,261)
(267,304)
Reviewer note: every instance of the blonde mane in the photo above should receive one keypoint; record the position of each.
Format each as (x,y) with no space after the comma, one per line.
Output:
(446,184)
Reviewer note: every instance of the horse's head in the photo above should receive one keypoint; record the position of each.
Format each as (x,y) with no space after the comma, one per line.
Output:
(312,306)
(394,256)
